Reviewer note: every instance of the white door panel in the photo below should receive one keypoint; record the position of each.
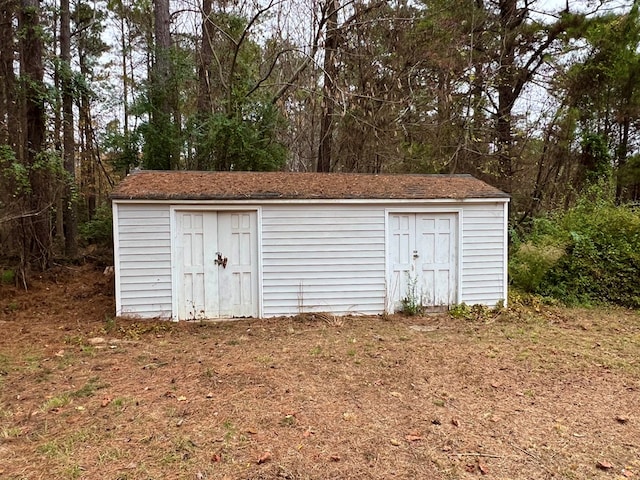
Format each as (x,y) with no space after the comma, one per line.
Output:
(207,286)
(195,231)
(401,236)
(423,262)
(238,281)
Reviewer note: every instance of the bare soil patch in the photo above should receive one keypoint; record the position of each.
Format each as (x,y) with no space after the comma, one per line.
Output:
(534,392)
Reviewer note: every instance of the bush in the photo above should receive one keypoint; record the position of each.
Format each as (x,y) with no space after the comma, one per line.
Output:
(99,229)
(589,255)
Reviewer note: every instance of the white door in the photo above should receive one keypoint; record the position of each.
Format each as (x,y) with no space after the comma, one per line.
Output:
(423,259)
(217,267)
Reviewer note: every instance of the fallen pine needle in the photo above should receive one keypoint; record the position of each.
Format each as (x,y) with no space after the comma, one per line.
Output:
(476,454)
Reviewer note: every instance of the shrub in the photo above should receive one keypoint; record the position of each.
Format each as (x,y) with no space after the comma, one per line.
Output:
(99,229)
(7,277)
(588,255)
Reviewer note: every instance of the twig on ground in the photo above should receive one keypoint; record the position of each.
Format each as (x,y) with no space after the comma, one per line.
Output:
(532,455)
(476,454)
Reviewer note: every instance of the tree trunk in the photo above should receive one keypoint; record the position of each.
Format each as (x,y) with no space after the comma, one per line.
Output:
(70,205)
(204,105)
(37,228)
(161,91)
(508,85)
(9,125)
(328,88)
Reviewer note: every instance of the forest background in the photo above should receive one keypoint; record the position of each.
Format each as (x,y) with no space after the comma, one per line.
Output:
(541,100)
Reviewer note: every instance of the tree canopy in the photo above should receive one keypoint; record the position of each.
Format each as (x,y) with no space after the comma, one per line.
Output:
(540,101)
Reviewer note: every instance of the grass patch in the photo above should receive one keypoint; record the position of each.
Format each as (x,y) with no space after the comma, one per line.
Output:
(89,388)
(56,402)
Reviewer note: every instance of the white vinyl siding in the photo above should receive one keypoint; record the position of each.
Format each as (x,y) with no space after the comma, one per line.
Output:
(483,254)
(323,258)
(143,256)
(313,256)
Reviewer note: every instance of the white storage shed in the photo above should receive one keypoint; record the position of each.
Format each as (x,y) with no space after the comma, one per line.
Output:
(191,245)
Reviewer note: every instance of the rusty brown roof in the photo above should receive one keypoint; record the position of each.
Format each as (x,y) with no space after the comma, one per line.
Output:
(190,185)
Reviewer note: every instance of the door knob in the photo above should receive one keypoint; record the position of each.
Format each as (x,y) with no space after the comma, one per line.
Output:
(220,260)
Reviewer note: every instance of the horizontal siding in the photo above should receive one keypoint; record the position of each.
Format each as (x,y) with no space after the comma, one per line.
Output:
(483,254)
(144,257)
(314,258)
(323,258)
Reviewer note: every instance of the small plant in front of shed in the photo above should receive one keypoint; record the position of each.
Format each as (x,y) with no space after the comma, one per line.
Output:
(476,312)
(411,304)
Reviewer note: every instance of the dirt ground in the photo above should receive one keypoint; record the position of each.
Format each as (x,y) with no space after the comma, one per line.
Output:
(533,392)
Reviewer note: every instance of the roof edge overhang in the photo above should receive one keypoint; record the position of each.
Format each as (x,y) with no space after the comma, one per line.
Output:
(307,201)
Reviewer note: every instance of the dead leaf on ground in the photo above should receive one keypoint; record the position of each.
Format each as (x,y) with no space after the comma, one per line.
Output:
(483,468)
(265,457)
(604,465)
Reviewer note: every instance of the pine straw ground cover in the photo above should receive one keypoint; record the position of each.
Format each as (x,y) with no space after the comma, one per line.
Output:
(529,393)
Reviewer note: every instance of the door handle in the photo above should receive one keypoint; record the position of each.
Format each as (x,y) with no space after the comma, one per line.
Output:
(220,260)
(415,254)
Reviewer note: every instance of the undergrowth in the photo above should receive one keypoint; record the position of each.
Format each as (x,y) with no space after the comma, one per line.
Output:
(587,255)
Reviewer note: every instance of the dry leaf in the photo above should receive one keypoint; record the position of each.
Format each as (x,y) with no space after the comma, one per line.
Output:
(265,457)
(604,465)
(348,416)
(182,398)
(483,468)
(627,473)
(395,442)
